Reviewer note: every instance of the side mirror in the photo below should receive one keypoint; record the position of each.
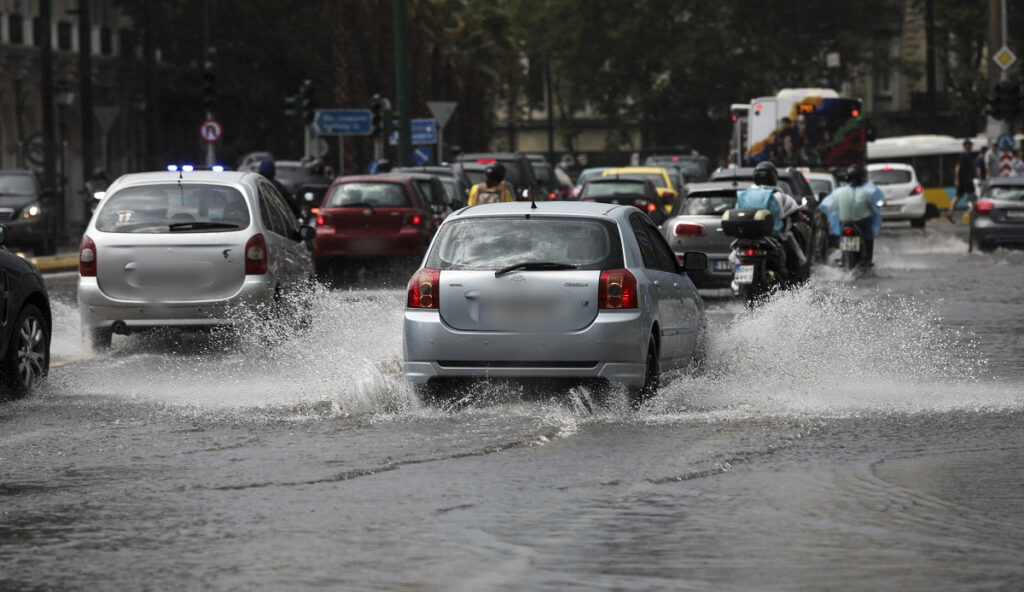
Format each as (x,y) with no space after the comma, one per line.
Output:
(694,261)
(3,235)
(307,232)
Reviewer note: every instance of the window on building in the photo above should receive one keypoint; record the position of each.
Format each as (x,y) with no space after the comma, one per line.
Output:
(16,29)
(127,43)
(64,36)
(39,30)
(106,41)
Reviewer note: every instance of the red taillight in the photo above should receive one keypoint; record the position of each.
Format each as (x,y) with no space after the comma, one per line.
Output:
(486,160)
(848,231)
(984,206)
(323,220)
(676,158)
(887,168)
(616,289)
(413,219)
(552,195)
(651,206)
(855,112)
(87,257)
(750,252)
(686,229)
(917,190)
(256,255)
(424,289)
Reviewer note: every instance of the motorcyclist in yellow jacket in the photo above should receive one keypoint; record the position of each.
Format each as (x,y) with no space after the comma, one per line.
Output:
(493,188)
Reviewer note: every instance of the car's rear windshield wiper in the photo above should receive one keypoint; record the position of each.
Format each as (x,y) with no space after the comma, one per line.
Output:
(202,226)
(534,266)
(358,204)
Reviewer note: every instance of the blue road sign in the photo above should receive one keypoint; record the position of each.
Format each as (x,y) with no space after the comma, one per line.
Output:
(1005,142)
(422,155)
(374,167)
(424,131)
(342,122)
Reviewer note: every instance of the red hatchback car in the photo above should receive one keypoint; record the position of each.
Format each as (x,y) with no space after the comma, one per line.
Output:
(374,216)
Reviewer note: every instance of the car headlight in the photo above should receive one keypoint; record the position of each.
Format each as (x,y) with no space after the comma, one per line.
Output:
(32,210)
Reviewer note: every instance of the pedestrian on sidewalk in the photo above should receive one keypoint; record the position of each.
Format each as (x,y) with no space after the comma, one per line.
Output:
(964,175)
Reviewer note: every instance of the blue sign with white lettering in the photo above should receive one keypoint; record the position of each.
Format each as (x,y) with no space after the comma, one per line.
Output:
(422,155)
(342,122)
(374,167)
(424,131)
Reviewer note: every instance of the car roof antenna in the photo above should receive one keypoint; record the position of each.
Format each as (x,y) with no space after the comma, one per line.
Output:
(533,201)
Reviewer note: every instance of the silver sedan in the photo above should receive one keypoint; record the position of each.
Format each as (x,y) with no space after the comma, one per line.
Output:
(564,290)
(186,250)
(696,224)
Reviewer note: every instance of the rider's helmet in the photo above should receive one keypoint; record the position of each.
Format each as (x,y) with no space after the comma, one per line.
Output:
(766,174)
(495,173)
(855,174)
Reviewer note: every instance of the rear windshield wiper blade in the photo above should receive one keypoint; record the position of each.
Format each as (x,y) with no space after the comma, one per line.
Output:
(201,226)
(358,204)
(534,266)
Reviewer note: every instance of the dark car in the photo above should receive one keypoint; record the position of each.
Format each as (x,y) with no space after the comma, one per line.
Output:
(627,190)
(545,173)
(998,217)
(373,216)
(25,323)
(791,181)
(304,182)
(453,186)
(518,172)
(29,217)
(694,168)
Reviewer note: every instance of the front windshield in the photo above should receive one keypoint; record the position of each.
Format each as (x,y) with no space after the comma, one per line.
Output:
(712,204)
(156,209)
(497,242)
(17,185)
(377,195)
(1006,193)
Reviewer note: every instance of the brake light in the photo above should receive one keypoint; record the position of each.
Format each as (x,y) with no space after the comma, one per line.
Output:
(651,206)
(676,158)
(855,112)
(323,220)
(616,289)
(413,220)
(687,229)
(552,195)
(256,255)
(755,252)
(486,160)
(848,231)
(87,257)
(424,289)
(917,190)
(887,168)
(984,206)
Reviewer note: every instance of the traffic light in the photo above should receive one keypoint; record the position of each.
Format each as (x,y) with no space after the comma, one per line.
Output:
(209,91)
(376,115)
(290,105)
(1005,100)
(306,97)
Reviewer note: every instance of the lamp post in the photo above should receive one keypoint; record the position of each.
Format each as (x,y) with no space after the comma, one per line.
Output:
(64,97)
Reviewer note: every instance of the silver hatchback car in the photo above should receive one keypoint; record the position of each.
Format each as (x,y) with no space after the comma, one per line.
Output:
(184,249)
(569,290)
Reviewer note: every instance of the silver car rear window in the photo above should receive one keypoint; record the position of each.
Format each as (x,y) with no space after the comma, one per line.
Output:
(496,242)
(708,204)
(889,176)
(172,207)
(1006,193)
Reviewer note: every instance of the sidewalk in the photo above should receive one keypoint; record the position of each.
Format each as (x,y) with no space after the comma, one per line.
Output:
(67,261)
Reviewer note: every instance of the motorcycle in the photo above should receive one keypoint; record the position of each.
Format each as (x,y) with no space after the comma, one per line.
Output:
(758,258)
(852,247)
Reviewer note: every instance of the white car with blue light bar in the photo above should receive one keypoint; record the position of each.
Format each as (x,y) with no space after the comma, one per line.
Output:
(904,194)
(563,290)
(185,249)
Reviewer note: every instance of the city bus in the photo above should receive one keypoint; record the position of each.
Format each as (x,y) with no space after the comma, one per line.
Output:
(933,158)
(806,127)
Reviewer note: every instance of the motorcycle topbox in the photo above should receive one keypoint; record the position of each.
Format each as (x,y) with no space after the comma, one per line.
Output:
(747,223)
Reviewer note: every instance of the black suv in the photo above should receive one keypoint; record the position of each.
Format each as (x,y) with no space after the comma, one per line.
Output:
(793,182)
(469,168)
(25,323)
(29,217)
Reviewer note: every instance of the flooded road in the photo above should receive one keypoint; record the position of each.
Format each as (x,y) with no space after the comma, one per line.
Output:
(856,434)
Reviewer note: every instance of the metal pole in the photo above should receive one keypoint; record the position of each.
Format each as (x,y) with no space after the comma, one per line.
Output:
(341,155)
(402,86)
(85,85)
(929,35)
(149,115)
(439,157)
(551,111)
(46,94)
(211,150)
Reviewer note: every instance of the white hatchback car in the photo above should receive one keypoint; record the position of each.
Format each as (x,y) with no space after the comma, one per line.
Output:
(184,249)
(564,290)
(904,195)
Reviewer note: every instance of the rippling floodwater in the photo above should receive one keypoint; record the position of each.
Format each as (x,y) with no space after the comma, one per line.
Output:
(856,434)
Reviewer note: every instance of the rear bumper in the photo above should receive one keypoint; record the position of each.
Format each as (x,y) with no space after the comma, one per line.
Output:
(335,244)
(611,348)
(985,230)
(99,310)
(905,210)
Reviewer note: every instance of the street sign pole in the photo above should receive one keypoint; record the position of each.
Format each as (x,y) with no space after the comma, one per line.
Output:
(442,112)
(341,155)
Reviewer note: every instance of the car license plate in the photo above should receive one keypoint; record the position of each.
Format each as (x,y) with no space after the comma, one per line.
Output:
(522,310)
(849,243)
(1015,214)
(721,265)
(744,274)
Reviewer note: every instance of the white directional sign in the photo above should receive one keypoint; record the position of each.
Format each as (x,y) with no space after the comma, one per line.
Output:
(211,131)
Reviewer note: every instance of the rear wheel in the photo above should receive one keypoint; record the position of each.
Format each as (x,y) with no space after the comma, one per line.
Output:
(28,354)
(652,377)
